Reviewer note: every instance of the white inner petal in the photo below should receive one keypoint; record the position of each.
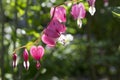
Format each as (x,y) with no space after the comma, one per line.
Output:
(65,39)
(79,22)
(92,10)
(61,39)
(69,37)
(26,66)
(14,63)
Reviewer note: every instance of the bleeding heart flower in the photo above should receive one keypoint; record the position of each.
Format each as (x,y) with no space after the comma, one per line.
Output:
(55,27)
(78,12)
(59,13)
(37,52)
(26,63)
(92,9)
(53,32)
(14,60)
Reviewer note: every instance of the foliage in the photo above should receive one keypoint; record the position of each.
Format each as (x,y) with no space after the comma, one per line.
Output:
(92,55)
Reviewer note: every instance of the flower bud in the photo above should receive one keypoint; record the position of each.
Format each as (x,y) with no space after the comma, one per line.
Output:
(25,55)
(14,63)
(26,62)
(92,8)
(38,65)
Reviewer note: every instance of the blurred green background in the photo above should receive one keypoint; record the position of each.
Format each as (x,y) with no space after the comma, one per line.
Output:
(94,54)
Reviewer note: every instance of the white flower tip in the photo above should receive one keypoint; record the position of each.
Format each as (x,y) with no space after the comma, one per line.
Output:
(60,20)
(69,37)
(26,65)
(79,22)
(92,10)
(62,39)
(65,39)
(14,63)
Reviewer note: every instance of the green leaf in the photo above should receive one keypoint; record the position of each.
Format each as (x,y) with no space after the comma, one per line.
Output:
(116,12)
(21,11)
(29,44)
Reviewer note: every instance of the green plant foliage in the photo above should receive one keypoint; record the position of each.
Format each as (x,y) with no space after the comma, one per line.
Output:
(94,53)
(116,12)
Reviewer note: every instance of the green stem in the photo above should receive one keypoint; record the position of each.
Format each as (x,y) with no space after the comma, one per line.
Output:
(2,39)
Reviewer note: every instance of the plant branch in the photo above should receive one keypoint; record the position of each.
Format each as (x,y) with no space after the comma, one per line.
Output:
(37,41)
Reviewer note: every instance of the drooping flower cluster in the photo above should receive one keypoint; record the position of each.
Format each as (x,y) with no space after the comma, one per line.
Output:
(78,12)
(55,27)
(54,32)
(36,52)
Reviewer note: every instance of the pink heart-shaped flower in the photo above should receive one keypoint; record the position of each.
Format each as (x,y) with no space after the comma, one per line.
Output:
(37,52)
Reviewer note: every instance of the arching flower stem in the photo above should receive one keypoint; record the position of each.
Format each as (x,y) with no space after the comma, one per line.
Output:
(39,38)
(34,43)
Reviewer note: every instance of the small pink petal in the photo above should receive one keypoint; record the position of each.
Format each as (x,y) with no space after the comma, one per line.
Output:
(37,52)
(57,26)
(51,33)
(82,10)
(14,63)
(60,13)
(75,11)
(91,2)
(14,57)
(38,65)
(25,55)
(48,40)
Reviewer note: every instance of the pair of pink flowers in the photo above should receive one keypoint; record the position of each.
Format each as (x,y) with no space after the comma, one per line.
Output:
(78,11)
(55,27)
(36,52)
